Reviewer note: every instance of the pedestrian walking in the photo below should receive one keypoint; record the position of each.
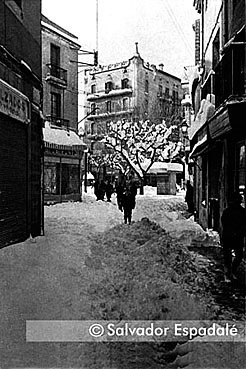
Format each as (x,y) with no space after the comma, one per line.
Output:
(109,190)
(128,204)
(189,197)
(133,188)
(233,235)
(119,188)
(101,188)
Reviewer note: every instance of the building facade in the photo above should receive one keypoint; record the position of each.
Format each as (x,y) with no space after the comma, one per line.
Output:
(21,210)
(130,89)
(218,133)
(63,147)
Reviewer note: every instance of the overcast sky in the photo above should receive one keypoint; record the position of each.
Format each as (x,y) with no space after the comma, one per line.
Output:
(162,28)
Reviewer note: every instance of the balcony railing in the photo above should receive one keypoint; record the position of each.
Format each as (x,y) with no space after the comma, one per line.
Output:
(230,74)
(116,91)
(57,73)
(58,122)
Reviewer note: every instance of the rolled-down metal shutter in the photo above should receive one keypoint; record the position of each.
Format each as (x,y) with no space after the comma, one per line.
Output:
(13,181)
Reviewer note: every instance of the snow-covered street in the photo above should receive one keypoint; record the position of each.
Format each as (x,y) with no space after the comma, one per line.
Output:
(48,278)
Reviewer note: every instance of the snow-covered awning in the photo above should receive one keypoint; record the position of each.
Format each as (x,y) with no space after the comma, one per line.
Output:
(204,114)
(199,147)
(55,137)
(161,167)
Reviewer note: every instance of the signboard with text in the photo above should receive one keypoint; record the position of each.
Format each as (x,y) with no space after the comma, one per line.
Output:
(13,103)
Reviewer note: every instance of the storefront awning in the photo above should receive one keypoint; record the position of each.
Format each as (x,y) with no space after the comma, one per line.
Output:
(161,167)
(205,112)
(58,138)
(199,147)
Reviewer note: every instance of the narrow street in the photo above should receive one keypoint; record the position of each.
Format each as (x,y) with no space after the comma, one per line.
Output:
(65,275)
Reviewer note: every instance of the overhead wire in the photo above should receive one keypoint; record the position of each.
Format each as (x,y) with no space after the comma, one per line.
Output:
(177,26)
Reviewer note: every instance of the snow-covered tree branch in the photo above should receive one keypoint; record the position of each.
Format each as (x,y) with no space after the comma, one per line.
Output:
(141,143)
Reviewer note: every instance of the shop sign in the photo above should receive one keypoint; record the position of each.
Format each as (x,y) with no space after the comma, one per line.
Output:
(13,103)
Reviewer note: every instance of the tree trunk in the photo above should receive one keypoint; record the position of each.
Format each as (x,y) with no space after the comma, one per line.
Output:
(142,184)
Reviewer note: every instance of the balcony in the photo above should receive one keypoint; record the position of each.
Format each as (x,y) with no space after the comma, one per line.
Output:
(56,75)
(102,114)
(57,121)
(109,93)
(229,79)
(164,97)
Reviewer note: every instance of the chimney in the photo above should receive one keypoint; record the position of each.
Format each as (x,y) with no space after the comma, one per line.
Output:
(161,66)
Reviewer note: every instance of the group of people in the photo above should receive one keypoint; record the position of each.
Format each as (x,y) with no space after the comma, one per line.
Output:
(126,192)
(102,188)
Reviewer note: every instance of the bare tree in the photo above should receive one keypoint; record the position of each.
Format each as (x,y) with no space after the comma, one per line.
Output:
(141,143)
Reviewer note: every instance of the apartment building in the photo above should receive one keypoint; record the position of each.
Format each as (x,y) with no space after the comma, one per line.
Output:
(21,210)
(132,89)
(63,149)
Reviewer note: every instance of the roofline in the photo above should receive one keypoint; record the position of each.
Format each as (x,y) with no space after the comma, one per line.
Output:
(126,65)
(47,20)
(53,27)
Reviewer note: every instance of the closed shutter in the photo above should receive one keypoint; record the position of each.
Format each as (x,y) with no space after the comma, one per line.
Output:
(13,181)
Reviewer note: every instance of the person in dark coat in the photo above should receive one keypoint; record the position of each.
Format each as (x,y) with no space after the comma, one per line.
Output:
(119,192)
(109,190)
(233,235)
(133,188)
(101,190)
(189,197)
(128,204)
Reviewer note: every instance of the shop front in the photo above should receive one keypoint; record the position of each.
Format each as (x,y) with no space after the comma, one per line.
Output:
(62,165)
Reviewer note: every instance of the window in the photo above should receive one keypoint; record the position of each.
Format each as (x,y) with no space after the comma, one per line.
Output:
(167,92)
(146,106)
(125,103)
(160,90)
(70,179)
(108,86)
(146,86)
(51,178)
(55,60)
(55,105)
(216,50)
(93,108)
(125,83)
(93,89)
(109,106)
(92,148)
(93,128)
